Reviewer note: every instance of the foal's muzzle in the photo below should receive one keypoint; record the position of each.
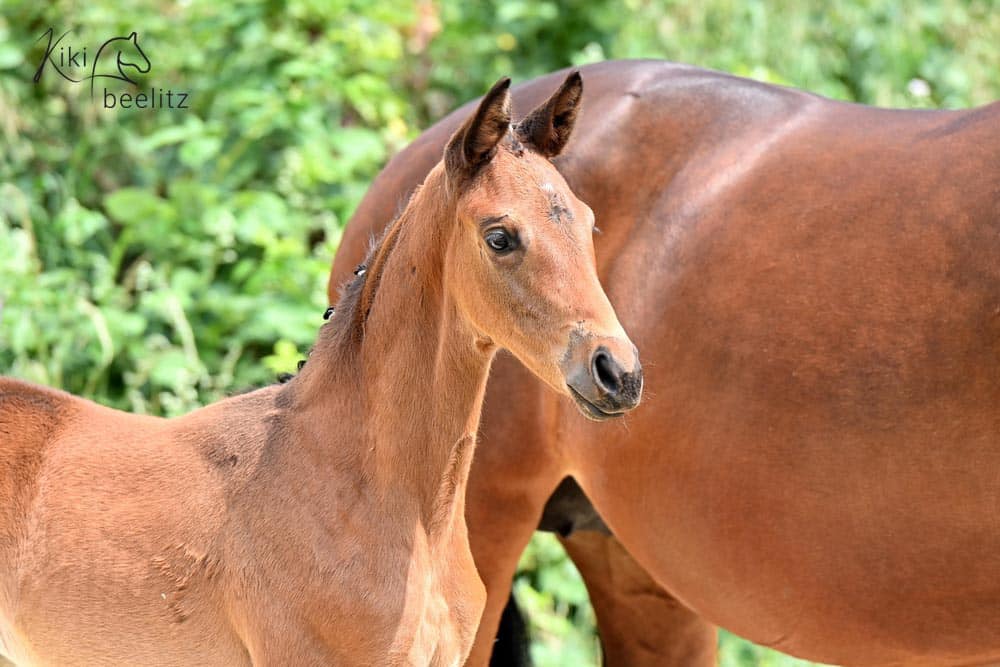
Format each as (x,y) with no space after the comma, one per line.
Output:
(603,384)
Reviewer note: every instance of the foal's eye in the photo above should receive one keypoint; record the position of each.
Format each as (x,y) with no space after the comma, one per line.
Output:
(500,241)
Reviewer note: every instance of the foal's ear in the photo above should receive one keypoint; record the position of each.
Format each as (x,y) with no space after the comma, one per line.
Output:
(548,127)
(474,144)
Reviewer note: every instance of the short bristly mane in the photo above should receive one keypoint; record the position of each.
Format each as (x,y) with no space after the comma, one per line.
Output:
(346,326)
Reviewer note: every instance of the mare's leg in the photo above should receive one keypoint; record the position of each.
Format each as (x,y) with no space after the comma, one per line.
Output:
(515,470)
(640,623)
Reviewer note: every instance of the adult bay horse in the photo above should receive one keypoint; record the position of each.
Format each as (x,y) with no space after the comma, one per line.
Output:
(321,521)
(816,287)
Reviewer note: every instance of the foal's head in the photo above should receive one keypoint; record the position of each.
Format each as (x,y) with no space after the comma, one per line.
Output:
(523,254)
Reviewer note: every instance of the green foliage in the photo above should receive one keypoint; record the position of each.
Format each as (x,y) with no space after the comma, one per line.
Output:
(157,260)
(550,592)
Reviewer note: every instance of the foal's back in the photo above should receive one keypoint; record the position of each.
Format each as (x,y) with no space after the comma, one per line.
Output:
(68,485)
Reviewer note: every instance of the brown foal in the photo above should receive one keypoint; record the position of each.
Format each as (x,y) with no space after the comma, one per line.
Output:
(321,521)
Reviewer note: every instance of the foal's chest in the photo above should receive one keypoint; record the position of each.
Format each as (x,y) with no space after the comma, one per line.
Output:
(418,607)
(444,602)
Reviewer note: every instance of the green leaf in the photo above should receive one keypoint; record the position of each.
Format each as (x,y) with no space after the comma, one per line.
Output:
(10,56)
(199,150)
(135,205)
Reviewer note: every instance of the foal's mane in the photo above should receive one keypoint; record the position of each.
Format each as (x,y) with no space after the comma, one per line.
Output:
(347,324)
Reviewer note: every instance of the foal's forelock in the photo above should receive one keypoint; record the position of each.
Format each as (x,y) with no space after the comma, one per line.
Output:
(513,141)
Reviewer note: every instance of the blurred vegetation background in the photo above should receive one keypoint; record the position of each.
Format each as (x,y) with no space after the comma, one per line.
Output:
(156,260)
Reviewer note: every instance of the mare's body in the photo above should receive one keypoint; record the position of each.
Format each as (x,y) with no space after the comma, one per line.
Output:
(816,287)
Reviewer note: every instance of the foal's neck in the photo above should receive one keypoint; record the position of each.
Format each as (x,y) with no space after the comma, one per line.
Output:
(414,376)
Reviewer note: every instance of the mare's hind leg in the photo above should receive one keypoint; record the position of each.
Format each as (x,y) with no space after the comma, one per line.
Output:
(640,623)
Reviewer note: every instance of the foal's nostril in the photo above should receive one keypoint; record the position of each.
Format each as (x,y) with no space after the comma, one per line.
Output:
(607,374)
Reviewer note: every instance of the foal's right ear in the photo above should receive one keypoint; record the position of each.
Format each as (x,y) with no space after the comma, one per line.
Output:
(474,144)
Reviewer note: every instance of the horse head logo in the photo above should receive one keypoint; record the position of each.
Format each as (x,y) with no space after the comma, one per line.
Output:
(128,55)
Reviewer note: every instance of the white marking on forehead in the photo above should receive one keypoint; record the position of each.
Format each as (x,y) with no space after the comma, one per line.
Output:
(548,188)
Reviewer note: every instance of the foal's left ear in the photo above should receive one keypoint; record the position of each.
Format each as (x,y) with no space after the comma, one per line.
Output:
(548,127)
(474,144)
